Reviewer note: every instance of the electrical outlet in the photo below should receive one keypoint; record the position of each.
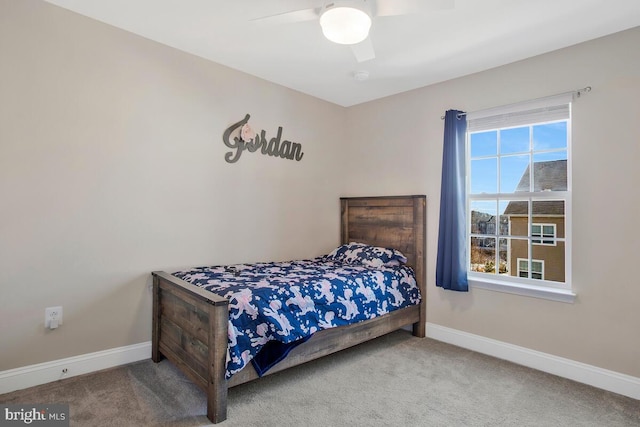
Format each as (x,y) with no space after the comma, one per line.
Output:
(52,317)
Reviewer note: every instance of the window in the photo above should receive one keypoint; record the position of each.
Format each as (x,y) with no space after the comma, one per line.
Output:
(537,268)
(519,197)
(545,231)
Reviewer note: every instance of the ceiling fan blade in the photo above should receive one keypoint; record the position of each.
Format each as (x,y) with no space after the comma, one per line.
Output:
(289,17)
(363,51)
(405,7)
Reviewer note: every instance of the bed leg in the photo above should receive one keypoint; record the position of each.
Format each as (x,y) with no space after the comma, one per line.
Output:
(420,327)
(420,236)
(156,356)
(218,341)
(419,330)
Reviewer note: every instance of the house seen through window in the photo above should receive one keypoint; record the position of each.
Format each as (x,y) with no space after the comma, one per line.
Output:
(518,197)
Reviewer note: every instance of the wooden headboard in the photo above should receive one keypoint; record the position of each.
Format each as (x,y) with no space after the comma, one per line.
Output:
(397,222)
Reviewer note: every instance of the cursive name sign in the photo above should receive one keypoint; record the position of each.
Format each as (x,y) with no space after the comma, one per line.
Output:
(252,142)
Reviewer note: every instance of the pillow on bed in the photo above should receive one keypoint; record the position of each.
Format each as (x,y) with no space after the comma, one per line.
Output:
(370,256)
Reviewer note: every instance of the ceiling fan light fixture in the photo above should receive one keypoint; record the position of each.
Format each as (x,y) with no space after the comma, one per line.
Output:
(345,25)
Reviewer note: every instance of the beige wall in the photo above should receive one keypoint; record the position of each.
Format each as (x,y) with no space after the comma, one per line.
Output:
(401,136)
(112,166)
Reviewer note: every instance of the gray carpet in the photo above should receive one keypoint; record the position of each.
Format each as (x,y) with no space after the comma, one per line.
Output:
(396,380)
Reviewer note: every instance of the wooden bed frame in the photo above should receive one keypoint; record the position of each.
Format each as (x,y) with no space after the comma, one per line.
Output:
(190,323)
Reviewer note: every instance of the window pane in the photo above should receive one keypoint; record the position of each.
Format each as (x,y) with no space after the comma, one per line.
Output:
(483,255)
(503,248)
(503,229)
(514,140)
(514,173)
(518,260)
(550,136)
(549,213)
(514,220)
(484,176)
(484,144)
(553,260)
(550,156)
(483,217)
(536,266)
(550,172)
(546,209)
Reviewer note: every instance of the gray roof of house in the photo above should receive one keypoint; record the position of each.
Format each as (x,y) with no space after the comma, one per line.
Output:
(547,176)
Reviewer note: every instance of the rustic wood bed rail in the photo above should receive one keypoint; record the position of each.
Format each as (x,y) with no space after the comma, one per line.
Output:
(190,323)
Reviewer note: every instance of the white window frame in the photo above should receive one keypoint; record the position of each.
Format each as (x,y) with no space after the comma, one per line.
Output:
(540,111)
(544,240)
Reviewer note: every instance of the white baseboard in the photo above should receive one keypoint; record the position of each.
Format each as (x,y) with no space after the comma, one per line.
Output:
(29,376)
(566,368)
(42,373)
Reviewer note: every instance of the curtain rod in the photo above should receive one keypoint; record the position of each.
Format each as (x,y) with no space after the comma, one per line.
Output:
(577,92)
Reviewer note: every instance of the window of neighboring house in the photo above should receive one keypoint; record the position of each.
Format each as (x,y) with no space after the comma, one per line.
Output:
(537,268)
(519,198)
(546,231)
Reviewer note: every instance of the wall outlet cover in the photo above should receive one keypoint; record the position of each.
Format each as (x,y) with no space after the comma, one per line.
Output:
(52,313)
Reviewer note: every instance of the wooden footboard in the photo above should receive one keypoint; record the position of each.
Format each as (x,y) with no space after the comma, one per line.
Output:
(190,324)
(190,329)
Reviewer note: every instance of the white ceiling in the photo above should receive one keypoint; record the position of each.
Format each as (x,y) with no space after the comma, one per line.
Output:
(411,50)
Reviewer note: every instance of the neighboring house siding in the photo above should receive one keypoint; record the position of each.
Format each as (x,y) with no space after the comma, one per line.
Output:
(548,175)
(553,256)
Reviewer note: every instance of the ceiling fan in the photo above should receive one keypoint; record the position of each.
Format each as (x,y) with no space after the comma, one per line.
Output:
(348,21)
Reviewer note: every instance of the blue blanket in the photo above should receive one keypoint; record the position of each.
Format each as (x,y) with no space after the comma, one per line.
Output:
(287,302)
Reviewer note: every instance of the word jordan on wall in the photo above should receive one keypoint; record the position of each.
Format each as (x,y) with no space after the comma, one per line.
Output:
(252,142)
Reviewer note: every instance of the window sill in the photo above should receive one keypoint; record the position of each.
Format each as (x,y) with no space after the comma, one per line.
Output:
(553,294)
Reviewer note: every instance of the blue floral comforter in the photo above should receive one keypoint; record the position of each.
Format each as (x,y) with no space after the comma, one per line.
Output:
(289,301)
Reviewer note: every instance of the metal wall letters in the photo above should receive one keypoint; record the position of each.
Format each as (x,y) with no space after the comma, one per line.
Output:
(252,142)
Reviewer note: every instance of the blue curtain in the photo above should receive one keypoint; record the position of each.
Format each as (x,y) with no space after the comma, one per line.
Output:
(451,269)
